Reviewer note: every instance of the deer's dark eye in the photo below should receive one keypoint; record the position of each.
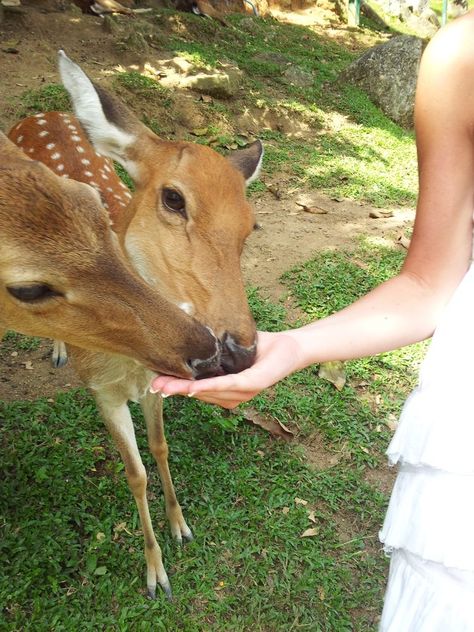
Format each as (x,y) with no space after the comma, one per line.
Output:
(173,201)
(32,293)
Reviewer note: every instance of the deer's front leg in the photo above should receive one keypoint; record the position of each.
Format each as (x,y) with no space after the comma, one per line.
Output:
(152,407)
(119,422)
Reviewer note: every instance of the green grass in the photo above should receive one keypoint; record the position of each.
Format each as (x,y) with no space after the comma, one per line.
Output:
(72,563)
(49,98)
(14,341)
(351,149)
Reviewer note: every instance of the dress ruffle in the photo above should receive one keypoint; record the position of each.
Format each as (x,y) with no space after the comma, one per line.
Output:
(427,597)
(431,514)
(437,422)
(429,525)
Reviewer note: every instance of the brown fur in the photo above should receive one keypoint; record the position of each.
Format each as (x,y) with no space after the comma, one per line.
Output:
(54,231)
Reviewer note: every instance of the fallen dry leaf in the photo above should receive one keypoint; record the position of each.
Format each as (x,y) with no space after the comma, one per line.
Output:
(378,214)
(273,426)
(333,372)
(309,533)
(300,501)
(315,210)
(311,516)
(285,510)
(403,241)
(28,365)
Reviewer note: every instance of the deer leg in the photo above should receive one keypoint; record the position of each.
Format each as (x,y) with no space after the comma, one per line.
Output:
(152,407)
(119,422)
(59,355)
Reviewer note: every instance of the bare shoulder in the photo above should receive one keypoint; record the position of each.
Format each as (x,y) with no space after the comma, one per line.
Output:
(453,44)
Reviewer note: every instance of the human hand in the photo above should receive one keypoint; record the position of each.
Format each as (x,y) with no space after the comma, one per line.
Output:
(278,355)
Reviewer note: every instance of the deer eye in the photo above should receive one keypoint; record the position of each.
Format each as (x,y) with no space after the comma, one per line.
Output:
(173,201)
(32,293)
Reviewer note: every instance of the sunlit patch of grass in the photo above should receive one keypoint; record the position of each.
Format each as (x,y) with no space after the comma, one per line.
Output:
(49,98)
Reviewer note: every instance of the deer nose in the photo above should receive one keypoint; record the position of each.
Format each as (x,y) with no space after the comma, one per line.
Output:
(209,367)
(234,356)
(201,369)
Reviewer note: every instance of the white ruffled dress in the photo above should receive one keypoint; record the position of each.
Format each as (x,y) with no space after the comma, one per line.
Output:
(429,526)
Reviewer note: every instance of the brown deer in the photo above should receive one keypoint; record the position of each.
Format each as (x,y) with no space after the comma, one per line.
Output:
(62,273)
(183,230)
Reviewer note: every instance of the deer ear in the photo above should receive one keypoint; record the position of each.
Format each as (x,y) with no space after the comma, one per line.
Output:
(248,161)
(109,124)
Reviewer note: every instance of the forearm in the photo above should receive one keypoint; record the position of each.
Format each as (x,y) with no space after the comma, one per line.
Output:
(397,313)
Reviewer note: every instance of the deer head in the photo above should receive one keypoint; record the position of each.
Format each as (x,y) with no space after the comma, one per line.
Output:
(63,274)
(186,224)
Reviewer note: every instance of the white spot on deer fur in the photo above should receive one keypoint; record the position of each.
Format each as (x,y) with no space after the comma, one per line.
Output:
(50,146)
(64,175)
(42,121)
(31,150)
(110,190)
(128,195)
(43,134)
(85,161)
(72,128)
(107,168)
(104,177)
(20,138)
(124,186)
(89,174)
(56,156)
(76,138)
(60,167)
(118,197)
(39,115)
(80,149)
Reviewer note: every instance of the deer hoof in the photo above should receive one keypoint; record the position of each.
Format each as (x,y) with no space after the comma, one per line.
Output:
(59,356)
(166,586)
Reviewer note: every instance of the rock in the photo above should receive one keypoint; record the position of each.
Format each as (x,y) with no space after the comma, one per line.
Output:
(388,74)
(222,83)
(298,77)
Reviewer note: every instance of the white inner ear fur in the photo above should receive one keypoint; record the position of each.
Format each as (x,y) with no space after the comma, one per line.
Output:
(256,172)
(106,137)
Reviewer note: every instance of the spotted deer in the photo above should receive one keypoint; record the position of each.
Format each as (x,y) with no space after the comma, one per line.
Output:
(183,230)
(63,273)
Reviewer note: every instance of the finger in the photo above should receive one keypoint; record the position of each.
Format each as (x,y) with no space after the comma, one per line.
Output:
(186,387)
(171,385)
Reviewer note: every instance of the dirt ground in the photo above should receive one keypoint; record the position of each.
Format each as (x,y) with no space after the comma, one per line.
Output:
(287,235)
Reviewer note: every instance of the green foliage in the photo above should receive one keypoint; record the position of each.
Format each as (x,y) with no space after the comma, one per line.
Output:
(49,98)
(74,565)
(139,84)
(14,341)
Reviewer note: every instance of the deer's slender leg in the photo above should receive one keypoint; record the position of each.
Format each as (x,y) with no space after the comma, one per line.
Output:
(119,422)
(152,406)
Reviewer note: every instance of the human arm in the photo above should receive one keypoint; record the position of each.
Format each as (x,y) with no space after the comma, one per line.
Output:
(406,308)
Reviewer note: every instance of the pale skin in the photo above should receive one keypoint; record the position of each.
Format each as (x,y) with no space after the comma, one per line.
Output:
(406,308)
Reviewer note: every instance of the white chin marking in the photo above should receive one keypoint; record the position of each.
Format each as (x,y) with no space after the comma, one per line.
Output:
(187,307)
